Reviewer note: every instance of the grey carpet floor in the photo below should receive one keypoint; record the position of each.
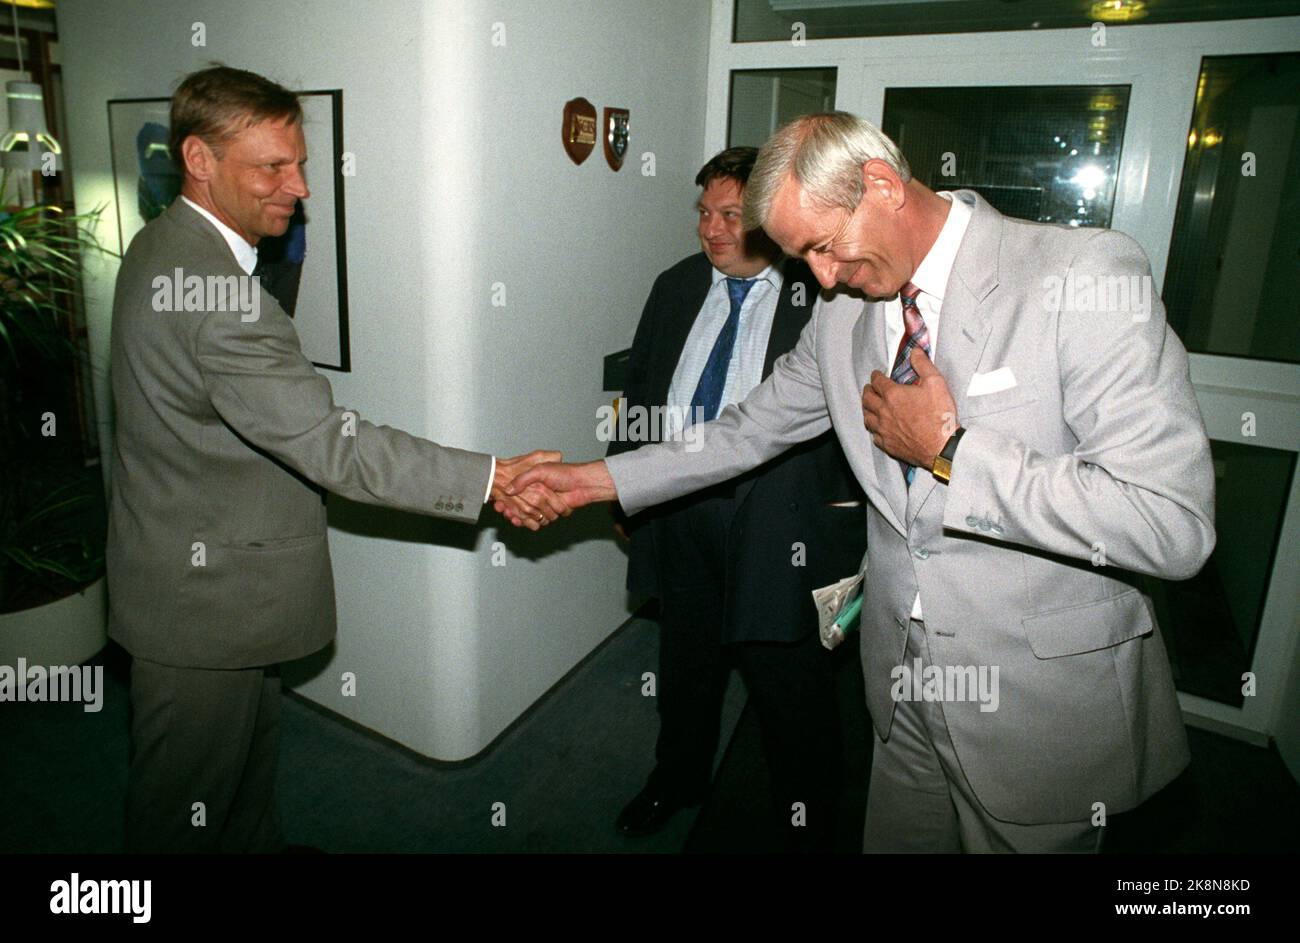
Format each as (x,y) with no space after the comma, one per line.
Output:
(562,771)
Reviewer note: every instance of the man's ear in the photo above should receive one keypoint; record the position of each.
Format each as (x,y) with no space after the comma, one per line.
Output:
(198,158)
(883,181)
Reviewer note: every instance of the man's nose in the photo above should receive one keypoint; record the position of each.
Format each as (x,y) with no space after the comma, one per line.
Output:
(297,184)
(824,270)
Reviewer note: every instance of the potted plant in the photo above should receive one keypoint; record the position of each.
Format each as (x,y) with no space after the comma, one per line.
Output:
(52,508)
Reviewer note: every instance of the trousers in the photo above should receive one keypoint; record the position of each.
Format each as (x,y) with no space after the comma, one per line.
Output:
(204,746)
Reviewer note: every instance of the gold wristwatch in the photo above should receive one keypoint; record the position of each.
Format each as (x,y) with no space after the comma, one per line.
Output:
(943,461)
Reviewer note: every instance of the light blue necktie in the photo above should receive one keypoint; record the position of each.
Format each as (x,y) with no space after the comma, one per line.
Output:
(708,394)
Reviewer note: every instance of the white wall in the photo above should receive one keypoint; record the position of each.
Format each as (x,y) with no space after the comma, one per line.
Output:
(461,183)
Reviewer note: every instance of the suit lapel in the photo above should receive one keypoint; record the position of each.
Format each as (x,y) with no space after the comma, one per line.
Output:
(789,320)
(869,354)
(787,323)
(965,324)
(682,310)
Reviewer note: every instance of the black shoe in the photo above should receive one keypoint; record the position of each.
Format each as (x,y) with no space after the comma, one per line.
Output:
(650,811)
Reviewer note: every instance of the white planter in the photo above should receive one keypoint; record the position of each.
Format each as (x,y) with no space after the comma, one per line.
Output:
(65,632)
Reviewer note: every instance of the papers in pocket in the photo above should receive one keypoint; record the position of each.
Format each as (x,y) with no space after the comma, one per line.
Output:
(831,602)
(982,384)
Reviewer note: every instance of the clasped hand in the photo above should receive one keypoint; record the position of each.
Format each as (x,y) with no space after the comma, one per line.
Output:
(538,488)
(532,506)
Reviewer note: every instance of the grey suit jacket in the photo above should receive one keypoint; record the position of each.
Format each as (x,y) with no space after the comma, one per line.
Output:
(217,549)
(1097,453)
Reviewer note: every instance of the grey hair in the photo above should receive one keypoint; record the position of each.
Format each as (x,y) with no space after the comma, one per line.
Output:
(824,153)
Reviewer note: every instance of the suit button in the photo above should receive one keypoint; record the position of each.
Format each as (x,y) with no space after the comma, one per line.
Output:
(921,553)
(460,505)
(972,521)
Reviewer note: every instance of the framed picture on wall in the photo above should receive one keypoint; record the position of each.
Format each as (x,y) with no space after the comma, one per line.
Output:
(306,268)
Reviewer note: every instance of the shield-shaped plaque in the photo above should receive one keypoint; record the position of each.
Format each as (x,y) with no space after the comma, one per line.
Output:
(616,135)
(579,129)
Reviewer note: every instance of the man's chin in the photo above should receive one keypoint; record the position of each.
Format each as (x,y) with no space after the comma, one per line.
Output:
(275,227)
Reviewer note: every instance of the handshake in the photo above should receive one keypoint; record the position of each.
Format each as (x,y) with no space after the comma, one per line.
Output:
(533,490)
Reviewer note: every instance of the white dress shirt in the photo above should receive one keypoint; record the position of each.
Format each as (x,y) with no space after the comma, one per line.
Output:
(246,257)
(745,370)
(931,277)
(245,254)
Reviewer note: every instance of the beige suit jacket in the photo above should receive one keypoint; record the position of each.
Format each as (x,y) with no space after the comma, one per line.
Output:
(226,438)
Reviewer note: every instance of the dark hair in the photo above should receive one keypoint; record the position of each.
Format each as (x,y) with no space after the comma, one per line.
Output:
(218,102)
(734,163)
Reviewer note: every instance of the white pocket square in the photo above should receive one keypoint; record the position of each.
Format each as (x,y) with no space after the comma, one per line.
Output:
(982,384)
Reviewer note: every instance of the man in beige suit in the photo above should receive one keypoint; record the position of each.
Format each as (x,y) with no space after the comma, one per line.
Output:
(1018,483)
(226,439)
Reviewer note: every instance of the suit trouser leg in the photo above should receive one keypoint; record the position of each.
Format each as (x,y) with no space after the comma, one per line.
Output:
(909,807)
(254,820)
(909,813)
(692,672)
(691,684)
(792,686)
(203,736)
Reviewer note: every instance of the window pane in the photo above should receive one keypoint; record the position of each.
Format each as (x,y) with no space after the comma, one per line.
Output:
(1233,283)
(765,20)
(1044,153)
(1210,622)
(764,99)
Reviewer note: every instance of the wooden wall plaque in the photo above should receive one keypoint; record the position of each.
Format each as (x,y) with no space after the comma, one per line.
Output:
(579,129)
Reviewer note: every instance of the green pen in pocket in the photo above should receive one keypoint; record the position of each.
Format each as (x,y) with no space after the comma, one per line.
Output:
(845,622)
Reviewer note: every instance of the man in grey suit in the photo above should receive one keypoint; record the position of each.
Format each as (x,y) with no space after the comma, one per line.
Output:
(1017,484)
(226,440)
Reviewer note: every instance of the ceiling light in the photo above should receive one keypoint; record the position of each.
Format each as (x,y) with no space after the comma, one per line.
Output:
(1118,11)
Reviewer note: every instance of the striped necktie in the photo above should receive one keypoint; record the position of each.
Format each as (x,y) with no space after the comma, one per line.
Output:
(914,335)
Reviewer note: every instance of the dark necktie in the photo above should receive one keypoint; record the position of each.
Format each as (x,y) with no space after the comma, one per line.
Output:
(708,394)
(914,335)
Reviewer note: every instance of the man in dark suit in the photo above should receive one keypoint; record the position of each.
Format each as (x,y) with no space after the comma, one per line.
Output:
(734,566)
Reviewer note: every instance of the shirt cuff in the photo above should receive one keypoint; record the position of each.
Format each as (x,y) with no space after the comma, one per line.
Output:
(492,476)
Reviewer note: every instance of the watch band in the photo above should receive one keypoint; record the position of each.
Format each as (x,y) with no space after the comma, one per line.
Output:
(943,461)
